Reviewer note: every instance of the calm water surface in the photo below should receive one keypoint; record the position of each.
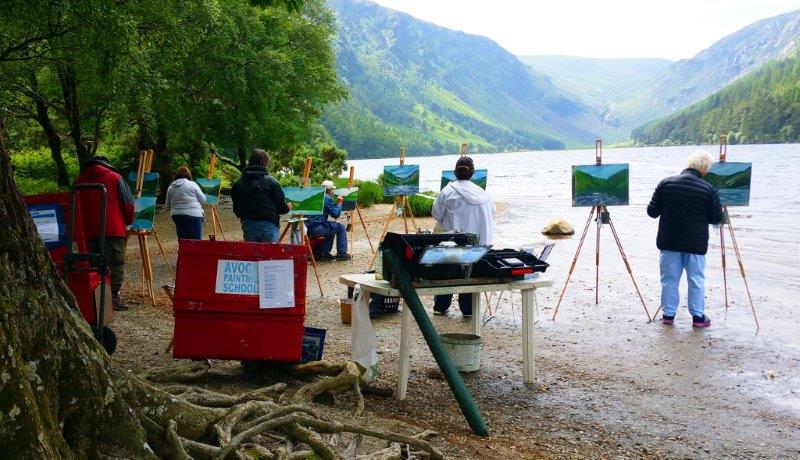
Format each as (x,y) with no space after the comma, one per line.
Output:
(536,188)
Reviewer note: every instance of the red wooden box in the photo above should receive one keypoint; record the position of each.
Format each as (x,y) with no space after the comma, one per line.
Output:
(213,320)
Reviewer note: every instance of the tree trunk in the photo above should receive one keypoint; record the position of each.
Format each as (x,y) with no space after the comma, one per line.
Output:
(242,158)
(58,396)
(161,159)
(53,139)
(66,75)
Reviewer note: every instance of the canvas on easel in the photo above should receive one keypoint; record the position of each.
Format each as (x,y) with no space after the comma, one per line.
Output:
(479,178)
(144,192)
(350,204)
(599,186)
(399,181)
(211,189)
(305,200)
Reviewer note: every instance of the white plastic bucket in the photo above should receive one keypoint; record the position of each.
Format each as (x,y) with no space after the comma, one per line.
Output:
(464,350)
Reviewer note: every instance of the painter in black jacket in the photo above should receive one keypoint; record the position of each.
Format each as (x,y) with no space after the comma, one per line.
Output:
(258,200)
(686,205)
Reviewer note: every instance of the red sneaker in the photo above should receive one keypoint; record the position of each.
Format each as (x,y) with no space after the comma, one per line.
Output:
(701,321)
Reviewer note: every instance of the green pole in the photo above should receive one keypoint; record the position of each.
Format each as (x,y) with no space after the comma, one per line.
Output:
(457,386)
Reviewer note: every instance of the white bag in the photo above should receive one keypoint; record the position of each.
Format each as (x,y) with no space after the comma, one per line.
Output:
(363,343)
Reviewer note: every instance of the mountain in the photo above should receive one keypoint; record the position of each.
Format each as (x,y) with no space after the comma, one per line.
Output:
(688,81)
(763,107)
(603,84)
(427,88)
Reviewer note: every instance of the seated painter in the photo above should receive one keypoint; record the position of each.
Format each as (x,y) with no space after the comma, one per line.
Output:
(463,207)
(321,226)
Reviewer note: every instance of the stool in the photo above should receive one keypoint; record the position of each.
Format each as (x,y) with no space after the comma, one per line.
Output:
(316,243)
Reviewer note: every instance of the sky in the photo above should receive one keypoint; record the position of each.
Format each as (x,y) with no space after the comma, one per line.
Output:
(675,29)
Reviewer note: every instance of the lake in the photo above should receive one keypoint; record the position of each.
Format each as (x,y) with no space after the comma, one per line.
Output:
(535,186)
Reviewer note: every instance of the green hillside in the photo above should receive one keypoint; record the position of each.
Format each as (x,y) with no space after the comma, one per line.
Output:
(763,107)
(427,88)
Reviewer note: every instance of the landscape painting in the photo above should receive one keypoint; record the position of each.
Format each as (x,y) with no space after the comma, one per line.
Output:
(149,185)
(732,179)
(400,180)
(305,200)
(350,195)
(210,188)
(478,178)
(594,185)
(144,211)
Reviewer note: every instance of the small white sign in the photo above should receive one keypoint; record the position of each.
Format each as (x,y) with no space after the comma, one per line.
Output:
(46,224)
(238,277)
(276,283)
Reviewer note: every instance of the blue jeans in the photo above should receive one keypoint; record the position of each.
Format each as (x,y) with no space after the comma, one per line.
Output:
(188,227)
(672,265)
(330,229)
(260,231)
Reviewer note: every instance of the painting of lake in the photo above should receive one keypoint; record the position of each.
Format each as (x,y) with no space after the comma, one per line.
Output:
(478,178)
(400,180)
(594,185)
(732,179)
(210,188)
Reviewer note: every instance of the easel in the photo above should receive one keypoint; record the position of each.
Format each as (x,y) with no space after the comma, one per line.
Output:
(215,220)
(350,226)
(145,163)
(723,156)
(603,217)
(401,204)
(297,225)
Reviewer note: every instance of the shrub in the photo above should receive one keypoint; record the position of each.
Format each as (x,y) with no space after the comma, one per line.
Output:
(369,193)
(421,204)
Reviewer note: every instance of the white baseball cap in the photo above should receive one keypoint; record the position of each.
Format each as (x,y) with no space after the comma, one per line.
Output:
(328,184)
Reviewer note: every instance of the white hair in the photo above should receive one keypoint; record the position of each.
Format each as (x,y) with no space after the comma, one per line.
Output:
(700,160)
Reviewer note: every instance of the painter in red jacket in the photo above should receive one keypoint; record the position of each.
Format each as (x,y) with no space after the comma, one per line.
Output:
(119,215)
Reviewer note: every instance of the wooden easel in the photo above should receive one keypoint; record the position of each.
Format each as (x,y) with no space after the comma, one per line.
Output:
(215,220)
(603,217)
(401,207)
(350,226)
(145,163)
(726,222)
(297,225)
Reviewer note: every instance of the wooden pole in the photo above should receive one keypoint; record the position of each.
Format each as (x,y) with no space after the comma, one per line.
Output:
(724,262)
(574,260)
(163,253)
(463,150)
(627,265)
(741,270)
(597,258)
(149,161)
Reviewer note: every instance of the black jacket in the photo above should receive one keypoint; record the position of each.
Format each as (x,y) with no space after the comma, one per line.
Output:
(257,196)
(687,205)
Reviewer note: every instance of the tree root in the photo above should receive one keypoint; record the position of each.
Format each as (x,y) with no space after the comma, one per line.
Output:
(347,377)
(208,398)
(190,422)
(188,372)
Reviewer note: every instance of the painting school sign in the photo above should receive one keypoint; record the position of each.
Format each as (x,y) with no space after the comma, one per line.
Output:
(271,280)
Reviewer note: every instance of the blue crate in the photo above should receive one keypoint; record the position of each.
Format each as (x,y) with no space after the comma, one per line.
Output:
(313,344)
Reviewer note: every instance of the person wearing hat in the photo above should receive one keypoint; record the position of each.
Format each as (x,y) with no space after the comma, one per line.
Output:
(463,207)
(321,226)
(119,215)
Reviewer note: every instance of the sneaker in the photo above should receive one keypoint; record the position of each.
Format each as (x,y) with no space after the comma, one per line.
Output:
(325,258)
(118,304)
(344,256)
(668,320)
(701,321)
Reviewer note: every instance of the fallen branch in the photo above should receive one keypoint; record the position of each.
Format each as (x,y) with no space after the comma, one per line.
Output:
(187,372)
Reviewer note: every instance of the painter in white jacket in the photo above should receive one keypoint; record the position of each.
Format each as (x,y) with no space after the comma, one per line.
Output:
(185,202)
(463,207)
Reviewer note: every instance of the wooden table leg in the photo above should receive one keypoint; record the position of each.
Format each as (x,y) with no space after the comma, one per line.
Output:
(476,313)
(528,306)
(403,354)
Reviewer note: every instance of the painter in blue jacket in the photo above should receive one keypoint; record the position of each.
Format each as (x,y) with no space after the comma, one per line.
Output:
(321,226)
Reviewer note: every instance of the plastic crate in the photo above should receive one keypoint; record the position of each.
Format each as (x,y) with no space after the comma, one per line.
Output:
(313,344)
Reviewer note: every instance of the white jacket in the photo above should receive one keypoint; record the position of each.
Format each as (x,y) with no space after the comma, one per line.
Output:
(185,198)
(464,207)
